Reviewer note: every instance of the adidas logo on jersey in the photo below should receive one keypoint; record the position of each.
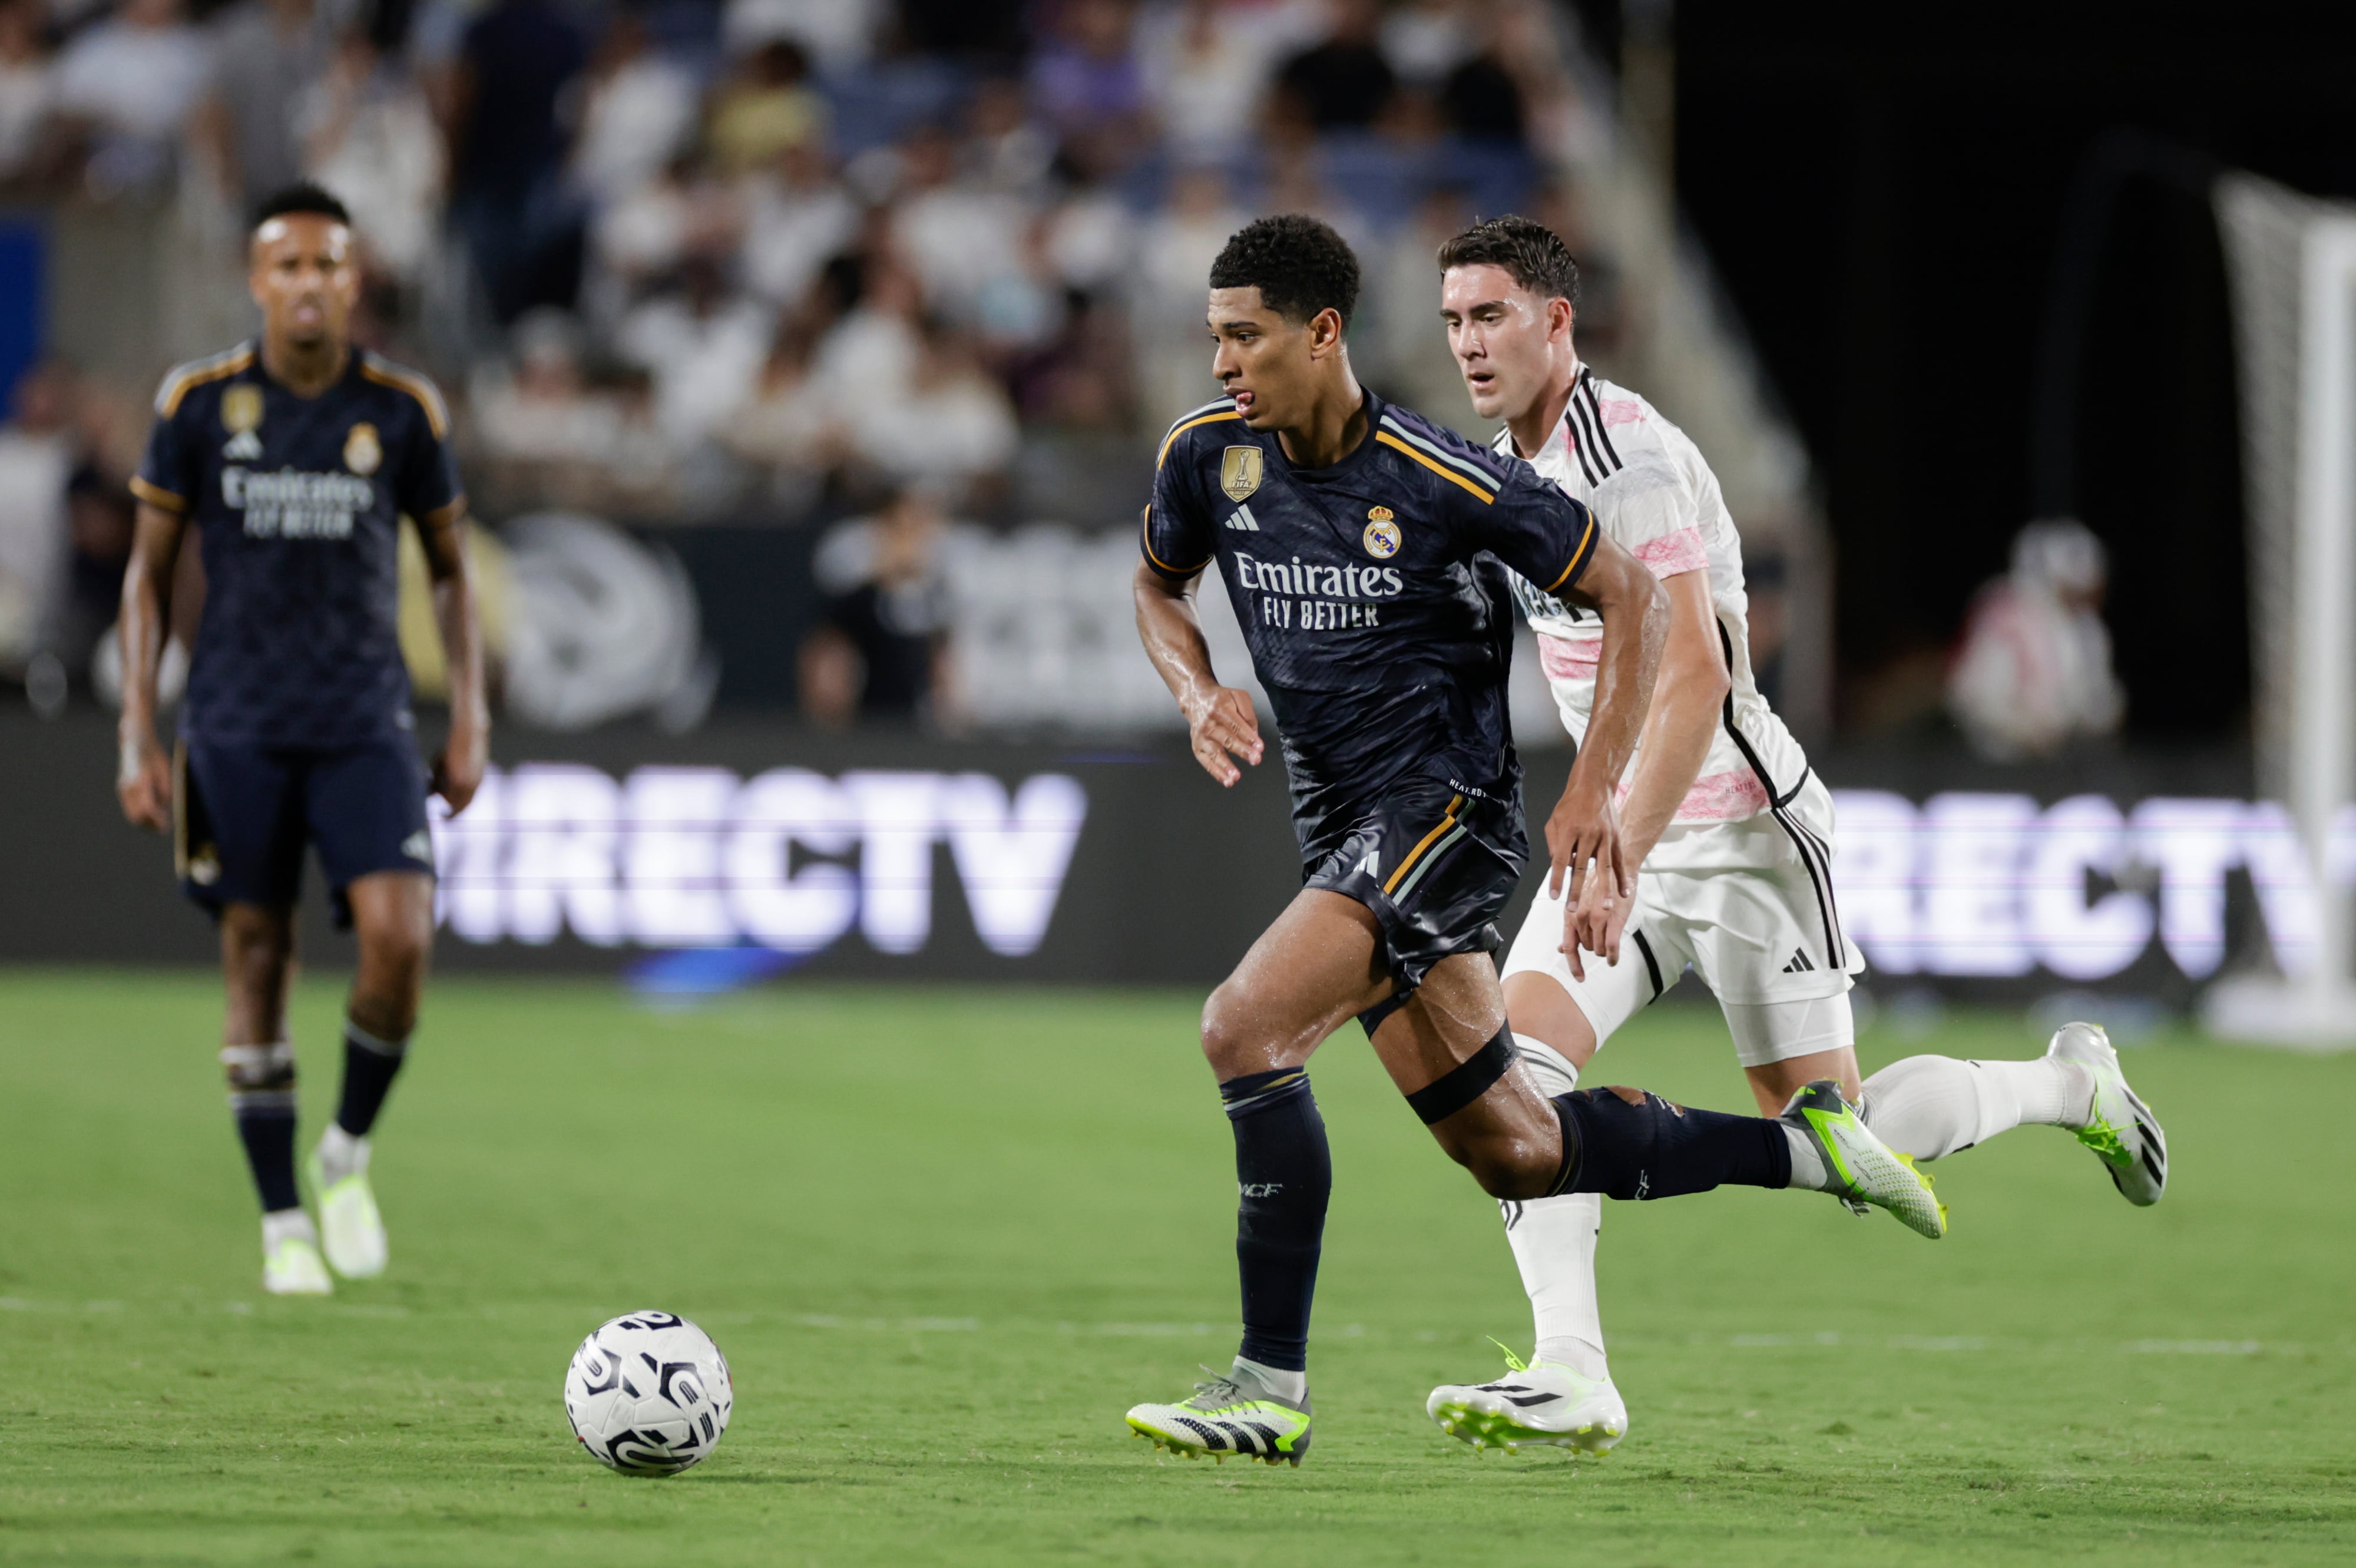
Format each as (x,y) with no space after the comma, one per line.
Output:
(245,446)
(1242,520)
(1799,965)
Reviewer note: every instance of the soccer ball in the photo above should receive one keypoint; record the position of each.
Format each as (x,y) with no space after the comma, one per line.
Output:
(649,1393)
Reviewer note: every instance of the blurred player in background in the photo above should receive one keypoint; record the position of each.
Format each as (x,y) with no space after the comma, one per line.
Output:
(1353,537)
(296,461)
(1733,829)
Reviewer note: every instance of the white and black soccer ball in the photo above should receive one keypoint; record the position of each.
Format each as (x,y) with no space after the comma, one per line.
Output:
(649,1393)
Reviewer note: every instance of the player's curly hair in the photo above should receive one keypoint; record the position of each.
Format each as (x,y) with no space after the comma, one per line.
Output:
(302,201)
(1298,264)
(1532,254)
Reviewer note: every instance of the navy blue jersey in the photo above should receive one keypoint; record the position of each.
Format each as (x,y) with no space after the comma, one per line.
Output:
(297,504)
(1373,619)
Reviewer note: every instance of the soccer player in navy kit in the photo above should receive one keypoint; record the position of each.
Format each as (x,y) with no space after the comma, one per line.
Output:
(295,459)
(1358,544)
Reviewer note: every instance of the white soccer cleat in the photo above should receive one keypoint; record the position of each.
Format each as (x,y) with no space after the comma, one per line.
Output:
(1232,1413)
(349,1221)
(1537,1406)
(292,1266)
(1864,1169)
(2120,1128)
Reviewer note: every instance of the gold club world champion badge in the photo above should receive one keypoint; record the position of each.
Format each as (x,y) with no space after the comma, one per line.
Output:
(1382,538)
(363,452)
(241,408)
(1239,472)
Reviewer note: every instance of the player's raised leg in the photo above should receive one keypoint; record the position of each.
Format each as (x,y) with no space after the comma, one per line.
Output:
(257,963)
(1935,1106)
(392,916)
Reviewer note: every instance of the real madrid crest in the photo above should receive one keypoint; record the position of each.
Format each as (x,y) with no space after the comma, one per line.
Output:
(241,408)
(363,452)
(1382,536)
(1239,472)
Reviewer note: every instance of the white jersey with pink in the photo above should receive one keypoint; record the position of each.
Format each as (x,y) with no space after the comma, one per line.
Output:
(1647,484)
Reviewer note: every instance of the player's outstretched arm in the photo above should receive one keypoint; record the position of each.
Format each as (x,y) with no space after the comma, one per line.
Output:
(142,779)
(1678,729)
(1585,826)
(458,771)
(1220,721)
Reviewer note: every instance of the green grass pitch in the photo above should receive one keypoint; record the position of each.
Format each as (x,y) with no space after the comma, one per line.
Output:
(947,1237)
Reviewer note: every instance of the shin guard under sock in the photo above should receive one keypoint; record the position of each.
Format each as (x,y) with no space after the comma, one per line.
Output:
(369,1066)
(262,1097)
(1628,1145)
(1284,1176)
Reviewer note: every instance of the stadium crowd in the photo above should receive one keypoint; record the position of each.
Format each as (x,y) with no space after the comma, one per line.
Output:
(779,258)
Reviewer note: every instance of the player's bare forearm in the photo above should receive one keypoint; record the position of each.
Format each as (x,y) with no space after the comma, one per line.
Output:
(1678,732)
(1584,827)
(458,772)
(1221,725)
(1687,700)
(142,779)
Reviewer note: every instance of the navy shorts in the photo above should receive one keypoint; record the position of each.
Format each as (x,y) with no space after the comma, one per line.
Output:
(245,812)
(1437,864)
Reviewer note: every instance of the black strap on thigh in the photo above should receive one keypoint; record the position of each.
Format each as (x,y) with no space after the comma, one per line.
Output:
(1467,1082)
(1376,1016)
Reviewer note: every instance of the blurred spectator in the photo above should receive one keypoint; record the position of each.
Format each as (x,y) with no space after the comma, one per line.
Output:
(643,237)
(838,35)
(973,29)
(703,344)
(765,109)
(789,427)
(1084,80)
(1005,148)
(952,430)
(2034,666)
(518,62)
(266,54)
(798,215)
(27,92)
(369,137)
(964,239)
(1402,337)
(1344,82)
(36,458)
(1207,62)
(1175,256)
(130,85)
(870,349)
(1482,101)
(882,650)
(639,113)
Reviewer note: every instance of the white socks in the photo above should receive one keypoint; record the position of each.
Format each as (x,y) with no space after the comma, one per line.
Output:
(1554,1244)
(1808,1171)
(284,1225)
(341,1154)
(1932,1106)
(1291,1387)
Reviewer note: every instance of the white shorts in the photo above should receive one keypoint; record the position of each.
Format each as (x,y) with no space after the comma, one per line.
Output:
(1749,907)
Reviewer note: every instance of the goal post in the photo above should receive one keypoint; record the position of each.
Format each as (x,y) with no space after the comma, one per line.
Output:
(2293,265)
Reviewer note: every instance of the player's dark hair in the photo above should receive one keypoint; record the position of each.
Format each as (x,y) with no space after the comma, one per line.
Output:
(1298,264)
(1532,254)
(302,200)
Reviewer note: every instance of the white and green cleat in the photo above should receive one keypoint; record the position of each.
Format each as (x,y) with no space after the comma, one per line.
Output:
(1232,1413)
(349,1221)
(291,1264)
(1540,1406)
(1863,1168)
(2120,1128)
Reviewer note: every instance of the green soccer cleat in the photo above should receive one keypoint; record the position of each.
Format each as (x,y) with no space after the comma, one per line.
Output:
(292,1266)
(350,1224)
(1866,1169)
(1232,1413)
(2120,1128)
(1536,1406)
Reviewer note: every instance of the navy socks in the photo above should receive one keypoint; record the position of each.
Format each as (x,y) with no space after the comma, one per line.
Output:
(370,1067)
(1645,1147)
(1284,1176)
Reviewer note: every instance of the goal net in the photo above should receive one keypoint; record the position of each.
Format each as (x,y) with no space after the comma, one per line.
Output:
(2292,262)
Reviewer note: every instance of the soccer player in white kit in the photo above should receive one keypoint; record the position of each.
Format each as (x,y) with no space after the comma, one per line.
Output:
(1733,831)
